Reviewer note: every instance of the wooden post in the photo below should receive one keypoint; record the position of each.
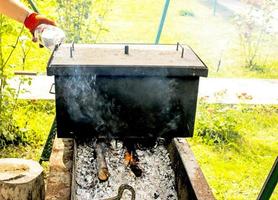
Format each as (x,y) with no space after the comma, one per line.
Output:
(21,180)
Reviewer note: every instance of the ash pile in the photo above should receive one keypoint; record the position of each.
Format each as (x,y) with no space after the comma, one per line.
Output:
(110,171)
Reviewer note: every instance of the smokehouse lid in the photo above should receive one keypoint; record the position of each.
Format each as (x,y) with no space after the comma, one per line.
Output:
(126,60)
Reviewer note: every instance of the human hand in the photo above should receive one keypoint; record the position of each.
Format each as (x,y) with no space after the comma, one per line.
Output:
(34,20)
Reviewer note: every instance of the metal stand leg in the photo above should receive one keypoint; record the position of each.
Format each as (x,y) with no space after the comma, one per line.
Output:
(270,183)
(49,143)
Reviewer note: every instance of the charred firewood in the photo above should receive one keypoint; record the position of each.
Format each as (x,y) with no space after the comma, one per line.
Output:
(131,160)
(103,173)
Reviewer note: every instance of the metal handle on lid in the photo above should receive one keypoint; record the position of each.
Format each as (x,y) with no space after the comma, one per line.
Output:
(71,49)
(121,190)
(126,49)
(51,88)
(182,49)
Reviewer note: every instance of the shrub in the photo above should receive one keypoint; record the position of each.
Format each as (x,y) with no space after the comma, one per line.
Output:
(217,124)
(187,13)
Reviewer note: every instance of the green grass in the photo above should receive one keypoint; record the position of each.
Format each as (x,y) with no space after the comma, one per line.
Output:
(238,170)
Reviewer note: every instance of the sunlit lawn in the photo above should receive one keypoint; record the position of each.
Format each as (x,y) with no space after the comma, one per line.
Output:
(239,171)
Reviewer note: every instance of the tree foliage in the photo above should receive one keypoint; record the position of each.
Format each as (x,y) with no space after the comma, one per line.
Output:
(217,124)
(256,28)
(82,20)
(10,132)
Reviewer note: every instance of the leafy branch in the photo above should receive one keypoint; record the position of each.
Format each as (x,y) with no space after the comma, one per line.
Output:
(10,132)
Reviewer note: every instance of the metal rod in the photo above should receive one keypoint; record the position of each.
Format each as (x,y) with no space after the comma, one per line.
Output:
(25,73)
(49,143)
(270,182)
(182,49)
(177,46)
(214,7)
(182,52)
(71,52)
(72,45)
(163,17)
(126,49)
(33,5)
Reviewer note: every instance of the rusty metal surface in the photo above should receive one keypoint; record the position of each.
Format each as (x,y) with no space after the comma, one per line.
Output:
(61,163)
(118,59)
(194,173)
(73,188)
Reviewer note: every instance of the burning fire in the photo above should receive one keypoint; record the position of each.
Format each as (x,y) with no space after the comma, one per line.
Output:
(131,160)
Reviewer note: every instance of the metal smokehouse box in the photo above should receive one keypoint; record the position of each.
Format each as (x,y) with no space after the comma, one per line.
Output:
(125,91)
